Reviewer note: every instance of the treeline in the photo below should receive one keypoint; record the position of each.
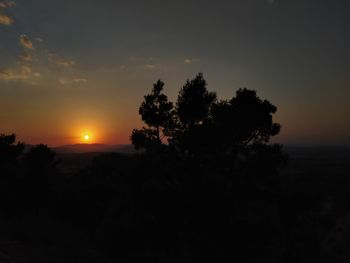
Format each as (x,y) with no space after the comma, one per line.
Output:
(205,188)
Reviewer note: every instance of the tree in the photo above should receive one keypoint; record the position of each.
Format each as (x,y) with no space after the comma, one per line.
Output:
(191,115)
(10,173)
(145,138)
(156,111)
(242,121)
(194,102)
(9,150)
(40,156)
(41,177)
(202,126)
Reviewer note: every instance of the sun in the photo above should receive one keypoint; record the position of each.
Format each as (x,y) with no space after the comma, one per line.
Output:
(86,137)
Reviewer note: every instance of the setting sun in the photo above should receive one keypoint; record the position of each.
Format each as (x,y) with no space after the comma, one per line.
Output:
(86,137)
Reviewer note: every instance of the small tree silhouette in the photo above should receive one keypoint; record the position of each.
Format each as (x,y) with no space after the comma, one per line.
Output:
(156,112)
(242,121)
(40,156)
(9,150)
(194,102)
(41,174)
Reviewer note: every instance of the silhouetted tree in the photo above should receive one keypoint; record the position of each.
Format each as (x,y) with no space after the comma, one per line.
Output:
(194,102)
(201,125)
(192,113)
(145,138)
(40,156)
(244,120)
(41,176)
(9,150)
(10,174)
(156,112)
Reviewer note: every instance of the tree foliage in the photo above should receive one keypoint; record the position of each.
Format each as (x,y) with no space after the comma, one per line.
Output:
(194,102)
(202,125)
(40,156)
(156,112)
(9,150)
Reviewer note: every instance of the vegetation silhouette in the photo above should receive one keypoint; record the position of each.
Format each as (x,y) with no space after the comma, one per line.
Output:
(205,186)
(9,150)
(220,161)
(156,112)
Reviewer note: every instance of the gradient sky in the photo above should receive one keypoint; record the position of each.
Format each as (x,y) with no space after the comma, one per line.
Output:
(70,66)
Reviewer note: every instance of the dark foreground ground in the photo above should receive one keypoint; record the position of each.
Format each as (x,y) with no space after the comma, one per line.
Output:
(315,184)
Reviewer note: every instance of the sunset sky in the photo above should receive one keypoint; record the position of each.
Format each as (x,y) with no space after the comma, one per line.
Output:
(72,68)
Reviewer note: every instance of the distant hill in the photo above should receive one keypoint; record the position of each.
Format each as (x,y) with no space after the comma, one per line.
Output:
(95,148)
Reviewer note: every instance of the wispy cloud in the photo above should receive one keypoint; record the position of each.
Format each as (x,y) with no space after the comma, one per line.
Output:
(5,20)
(149,66)
(63,81)
(271,1)
(23,73)
(26,70)
(62,62)
(4,73)
(191,60)
(26,57)
(7,4)
(12,75)
(69,81)
(26,43)
(65,62)
(80,80)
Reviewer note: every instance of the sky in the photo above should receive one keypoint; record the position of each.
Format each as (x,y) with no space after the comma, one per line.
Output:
(70,68)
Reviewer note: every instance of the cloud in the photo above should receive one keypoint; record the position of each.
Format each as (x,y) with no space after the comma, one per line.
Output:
(271,1)
(26,43)
(63,81)
(26,70)
(61,61)
(80,80)
(149,66)
(64,62)
(10,75)
(23,73)
(26,57)
(190,60)
(7,4)
(77,80)
(5,20)
(39,39)
(4,73)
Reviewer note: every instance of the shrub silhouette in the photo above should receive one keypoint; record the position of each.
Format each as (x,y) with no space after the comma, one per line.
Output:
(10,172)
(9,150)
(40,156)
(40,179)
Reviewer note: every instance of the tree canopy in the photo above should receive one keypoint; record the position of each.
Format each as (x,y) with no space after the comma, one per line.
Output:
(200,124)
(9,149)
(156,112)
